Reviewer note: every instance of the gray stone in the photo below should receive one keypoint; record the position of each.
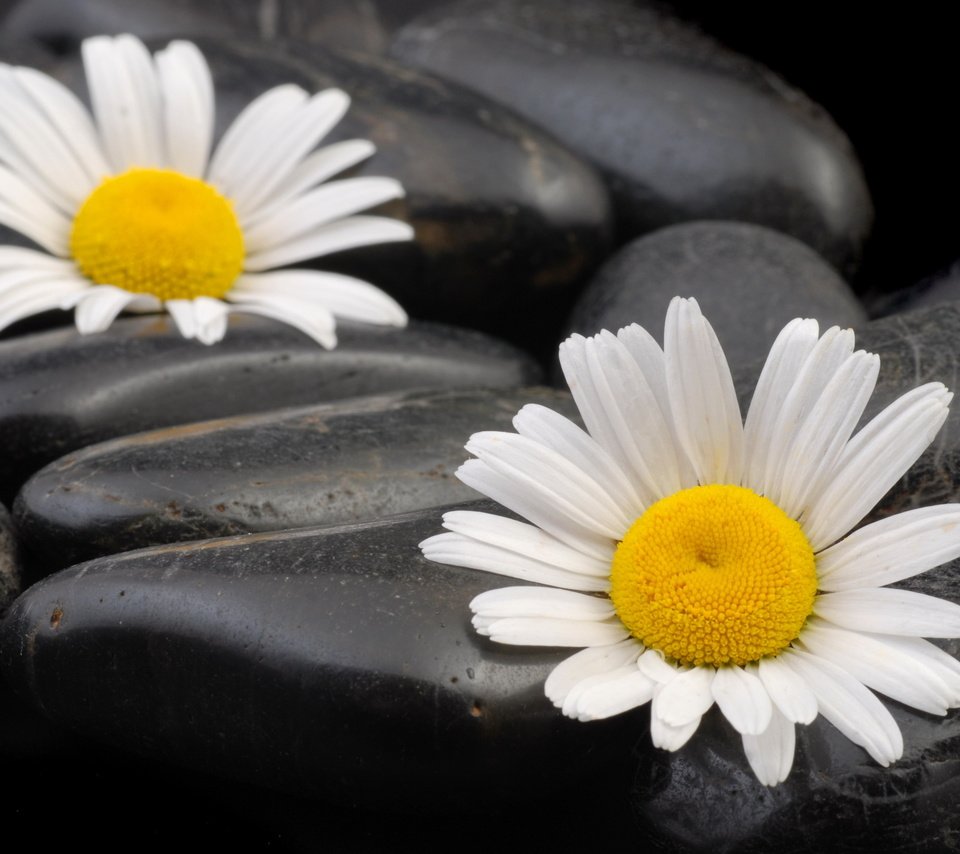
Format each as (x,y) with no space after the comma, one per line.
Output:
(681,127)
(345,461)
(60,390)
(333,663)
(749,280)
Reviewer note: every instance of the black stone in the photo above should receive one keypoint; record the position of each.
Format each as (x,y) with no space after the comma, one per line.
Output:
(681,127)
(62,24)
(750,281)
(330,663)
(60,391)
(10,570)
(345,461)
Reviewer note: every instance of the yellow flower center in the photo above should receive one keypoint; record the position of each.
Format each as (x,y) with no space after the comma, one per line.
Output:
(714,575)
(155,231)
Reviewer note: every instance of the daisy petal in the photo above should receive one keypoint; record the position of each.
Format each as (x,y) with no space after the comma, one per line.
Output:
(552,430)
(819,442)
(125,98)
(742,699)
(181,310)
(944,665)
(542,471)
(342,295)
(337,236)
(310,318)
(99,306)
(608,694)
(706,414)
(29,213)
(15,258)
(592,661)
(824,360)
(541,602)
(874,460)
(541,631)
(318,207)
(619,406)
(40,297)
(883,668)
(892,549)
(66,112)
(654,665)
(312,170)
(787,356)
(532,505)
(458,550)
(850,707)
(771,752)
(187,103)
(788,691)
(890,611)
(524,539)
(257,120)
(686,697)
(661,733)
(267,159)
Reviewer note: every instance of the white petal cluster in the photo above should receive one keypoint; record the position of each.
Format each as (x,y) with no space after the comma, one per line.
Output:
(157,111)
(659,421)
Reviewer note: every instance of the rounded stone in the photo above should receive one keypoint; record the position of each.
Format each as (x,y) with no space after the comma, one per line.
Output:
(331,664)
(353,460)
(681,127)
(60,390)
(749,281)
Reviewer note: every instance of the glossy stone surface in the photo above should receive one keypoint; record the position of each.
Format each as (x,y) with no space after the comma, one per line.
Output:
(332,663)
(60,391)
(750,282)
(351,460)
(62,24)
(681,127)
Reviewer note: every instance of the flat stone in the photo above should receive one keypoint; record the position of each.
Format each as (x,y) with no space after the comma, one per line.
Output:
(351,460)
(681,127)
(60,391)
(329,663)
(62,24)
(10,569)
(507,220)
(745,277)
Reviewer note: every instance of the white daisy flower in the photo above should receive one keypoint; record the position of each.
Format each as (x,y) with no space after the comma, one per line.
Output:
(137,214)
(699,559)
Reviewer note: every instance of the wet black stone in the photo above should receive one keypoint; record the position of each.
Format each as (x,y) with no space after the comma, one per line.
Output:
(351,460)
(681,127)
(10,570)
(60,391)
(749,280)
(507,220)
(330,663)
(62,24)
